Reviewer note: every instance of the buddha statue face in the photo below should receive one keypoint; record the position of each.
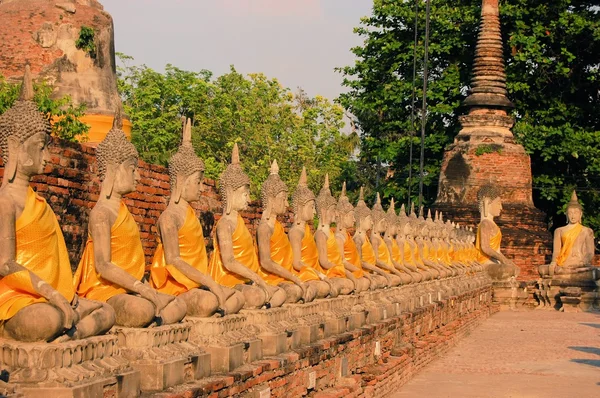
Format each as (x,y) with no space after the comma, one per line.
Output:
(366,223)
(408,230)
(574,215)
(186,169)
(192,186)
(125,176)
(308,211)
(381,225)
(280,203)
(328,215)
(392,229)
(239,197)
(30,156)
(490,203)
(348,219)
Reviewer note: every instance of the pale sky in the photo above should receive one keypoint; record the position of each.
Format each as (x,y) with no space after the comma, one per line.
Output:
(299,42)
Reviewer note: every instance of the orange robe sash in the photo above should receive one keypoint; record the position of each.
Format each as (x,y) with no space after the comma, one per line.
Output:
(494,244)
(335,257)
(281,253)
(368,253)
(383,254)
(567,240)
(351,255)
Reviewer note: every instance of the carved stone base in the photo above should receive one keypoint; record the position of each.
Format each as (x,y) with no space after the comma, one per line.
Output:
(569,293)
(164,355)
(275,329)
(88,367)
(509,294)
(309,319)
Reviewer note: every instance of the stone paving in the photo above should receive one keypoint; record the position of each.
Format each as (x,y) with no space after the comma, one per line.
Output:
(526,354)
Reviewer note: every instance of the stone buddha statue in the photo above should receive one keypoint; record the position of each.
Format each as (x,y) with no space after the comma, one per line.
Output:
(364,223)
(573,251)
(350,257)
(304,248)
(113,263)
(407,243)
(180,265)
(274,247)
(234,262)
(446,252)
(489,236)
(397,255)
(427,242)
(37,297)
(330,257)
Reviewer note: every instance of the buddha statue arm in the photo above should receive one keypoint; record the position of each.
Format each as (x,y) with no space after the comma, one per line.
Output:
(487,230)
(321,240)
(589,247)
(9,266)
(264,234)
(295,235)
(341,239)
(556,246)
(396,264)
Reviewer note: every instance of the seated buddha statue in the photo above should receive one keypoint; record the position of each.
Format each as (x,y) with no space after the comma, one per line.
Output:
(408,246)
(428,246)
(113,263)
(573,249)
(37,297)
(330,257)
(350,257)
(234,261)
(180,265)
(489,236)
(364,223)
(274,247)
(305,258)
(382,253)
(446,249)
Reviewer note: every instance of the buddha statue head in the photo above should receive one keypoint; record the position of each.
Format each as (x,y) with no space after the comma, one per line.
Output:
(117,161)
(345,210)
(403,224)
(234,185)
(364,220)
(490,203)
(186,169)
(574,210)
(326,204)
(303,200)
(24,136)
(379,219)
(274,194)
(432,229)
(392,219)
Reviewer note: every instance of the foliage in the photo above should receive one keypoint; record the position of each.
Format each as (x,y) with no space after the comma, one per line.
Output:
(267,121)
(552,52)
(63,114)
(488,148)
(86,42)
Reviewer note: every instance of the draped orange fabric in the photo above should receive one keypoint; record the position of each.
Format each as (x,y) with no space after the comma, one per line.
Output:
(368,254)
(351,255)
(126,252)
(335,257)
(409,258)
(243,252)
(166,278)
(383,254)
(310,258)
(494,244)
(40,247)
(567,240)
(397,255)
(281,253)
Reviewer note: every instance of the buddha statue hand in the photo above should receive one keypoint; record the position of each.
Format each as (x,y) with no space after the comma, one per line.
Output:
(221,298)
(69,314)
(265,289)
(159,300)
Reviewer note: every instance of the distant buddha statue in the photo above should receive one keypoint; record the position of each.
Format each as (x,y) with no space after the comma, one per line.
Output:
(274,247)
(37,298)
(408,247)
(350,257)
(113,263)
(234,262)
(364,223)
(180,265)
(304,248)
(330,257)
(489,236)
(419,232)
(573,251)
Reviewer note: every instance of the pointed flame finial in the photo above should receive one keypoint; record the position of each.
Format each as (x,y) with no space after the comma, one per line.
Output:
(118,120)
(429,214)
(326,183)
(235,154)
(392,207)
(402,209)
(187,132)
(303,181)
(27,92)
(274,167)
(378,199)
(343,193)
(361,195)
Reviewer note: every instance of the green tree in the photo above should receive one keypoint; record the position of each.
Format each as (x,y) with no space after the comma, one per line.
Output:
(552,52)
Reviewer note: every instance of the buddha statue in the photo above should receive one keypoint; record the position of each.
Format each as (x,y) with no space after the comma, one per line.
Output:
(234,261)
(37,297)
(383,257)
(489,236)
(330,257)
(112,265)
(350,257)
(573,251)
(445,253)
(274,247)
(427,242)
(407,243)
(304,249)
(180,265)
(362,242)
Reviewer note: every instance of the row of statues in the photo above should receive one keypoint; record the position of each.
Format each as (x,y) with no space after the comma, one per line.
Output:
(40,299)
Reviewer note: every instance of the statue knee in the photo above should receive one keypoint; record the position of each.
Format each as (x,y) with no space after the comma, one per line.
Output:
(200,303)
(323,288)
(278,297)
(292,291)
(132,311)
(174,312)
(106,318)
(254,297)
(36,322)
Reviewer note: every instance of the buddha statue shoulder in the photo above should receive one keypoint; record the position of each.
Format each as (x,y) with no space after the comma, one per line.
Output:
(489,236)
(390,238)
(274,247)
(180,264)
(573,248)
(305,256)
(234,261)
(350,257)
(407,241)
(383,257)
(330,257)
(112,266)
(37,299)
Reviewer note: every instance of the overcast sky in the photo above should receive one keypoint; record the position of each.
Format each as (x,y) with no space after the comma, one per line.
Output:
(297,41)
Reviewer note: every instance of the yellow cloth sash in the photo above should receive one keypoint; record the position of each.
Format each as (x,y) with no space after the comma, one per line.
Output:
(166,278)
(567,240)
(351,255)
(310,258)
(243,252)
(335,257)
(383,254)
(281,253)
(494,244)
(368,253)
(40,247)
(126,252)
(397,255)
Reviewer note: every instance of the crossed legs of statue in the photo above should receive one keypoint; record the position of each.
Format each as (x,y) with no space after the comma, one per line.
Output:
(342,285)
(203,303)
(137,312)
(362,285)
(44,322)
(256,298)
(322,288)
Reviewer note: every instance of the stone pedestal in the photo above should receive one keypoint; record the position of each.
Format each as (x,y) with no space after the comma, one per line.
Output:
(572,292)
(92,367)
(163,355)
(275,329)
(309,320)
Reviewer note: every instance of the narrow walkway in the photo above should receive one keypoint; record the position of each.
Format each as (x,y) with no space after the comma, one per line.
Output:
(530,354)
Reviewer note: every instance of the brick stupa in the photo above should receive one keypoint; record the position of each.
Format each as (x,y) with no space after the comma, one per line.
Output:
(485,151)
